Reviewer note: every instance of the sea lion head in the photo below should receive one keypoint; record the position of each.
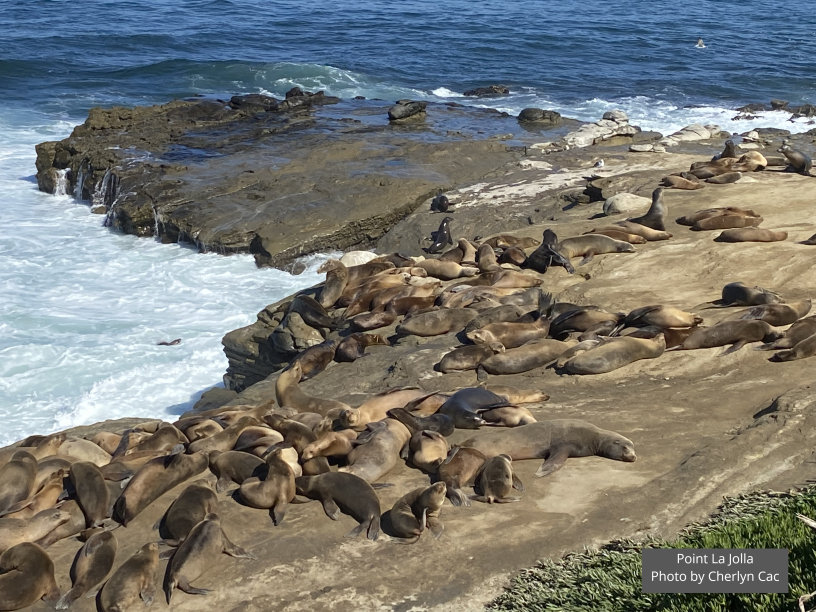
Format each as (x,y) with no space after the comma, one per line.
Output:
(349,418)
(331,264)
(480,336)
(624,247)
(305,484)
(470,421)
(618,448)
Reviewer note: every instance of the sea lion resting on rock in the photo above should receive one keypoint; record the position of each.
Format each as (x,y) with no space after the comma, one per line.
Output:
(468,357)
(740,294)
(590,245)
(556,441)
(437,322)
(134,579)
(524,358)
(801,330)
(460,470)
(613,353)
(655,217)
(426,450)
(27,576)
(618,233)
(446,270)
(735,333)
(726,221)
(353,346)
(678,182)
(651,235)
(496,480)
(94,562)
(776,314)
(660,315)
(805,348)
(707,213)
(347,493)
(465,405)
(378,455)
(751,234)
(419,509)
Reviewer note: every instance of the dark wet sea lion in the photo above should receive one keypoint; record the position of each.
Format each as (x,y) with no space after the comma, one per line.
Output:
(91,492)
(751,234)
(441,423)
(353,346)
(134,579)
(655,217)
(189,509)
(496,480)
(440,203)
(346,493)
(419,509)
(171,343)
(92,565)
(740,294)
(810,241)
(443,236)
(547,255)
(465,405)
(27,576)
(735,333)
(556,441)
(198,553)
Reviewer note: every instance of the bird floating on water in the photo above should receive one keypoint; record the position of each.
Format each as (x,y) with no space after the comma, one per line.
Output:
(700,44)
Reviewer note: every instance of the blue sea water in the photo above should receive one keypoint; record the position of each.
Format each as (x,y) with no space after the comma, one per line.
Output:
(81,307)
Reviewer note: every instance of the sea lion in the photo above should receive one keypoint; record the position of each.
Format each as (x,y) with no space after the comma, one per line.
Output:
(378,455)
(776,314)
(372,320)
(513,255)
(547,255)
(74,524)
(134,579)
(437,322)
(252,435)
(224,440)
(582,347)
(197,554)
(805,348)
(428,450)
(418,509)
(275,491)
(233,467)
(730,150)
(648,233)
(735,333)
(486,258)
(509,335)
(751,234)
(15,531)
(497,314)
(708,213)
(437,422)
(170,343)
(504,241)
(331,444)
(337,277)
(614,353)
(27,576)
(163,439)
(599,330)
(409,304)
(92,565)
(740,294)
(580,319)
(511,279)
(724,179)
(465,406)
(289,394)
(312,312)
(800,330)
(797,160)
(201,428)
(678,182)
(725,222)
(299,436)
(518,396)
(83,450)
(524,358)
(660,315)
(655,217)
(189,509)
(589,245)
(353,346)
(91,492)
(443,236)
(618,233)
(440,203)
(556,441)
(376,407)
(508,416)
(468,357)
(17,479)
(47,467)
(153,480)
(496,480)
(347,493)
(460,470)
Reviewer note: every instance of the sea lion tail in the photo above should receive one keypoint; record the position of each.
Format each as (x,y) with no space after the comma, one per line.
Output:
(66,600)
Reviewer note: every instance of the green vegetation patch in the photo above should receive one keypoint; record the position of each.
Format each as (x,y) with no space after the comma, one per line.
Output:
(609,579)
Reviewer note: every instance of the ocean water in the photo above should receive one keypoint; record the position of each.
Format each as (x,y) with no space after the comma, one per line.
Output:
(82,307)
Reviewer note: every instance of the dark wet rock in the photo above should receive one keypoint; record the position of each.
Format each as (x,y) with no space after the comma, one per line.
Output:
(539,115)
(767,133)
(490,90)
(806,110)
(778,104)
(756,107)
(642,137)
(215,398)
(257,101)
(404,109)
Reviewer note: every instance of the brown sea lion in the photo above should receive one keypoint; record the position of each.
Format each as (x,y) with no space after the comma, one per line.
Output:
(580,319)
(511,279)
(802,350)
(377,456)
(678,182)
(83,450)
(27,576)
(751,234)
(776,314)
(486,258)
(134,579)
(460,470)
(428,449)
(188,509)
(513,255)
(660,315)
(507,240)
(468,357)
(375,408)
(17,479)
(437,422)
(510,335)
(74,524)
(556,441)
(299,436)
(466,405)
(618,233)
(92,565)
(496,480)
(590,245)
(275,491)
(613,353)
(331,444)
(518,396)
(254,433)
(797,160)
(346,493)
(223,440)
(316,358)
(15,531)
(508,416)
(198,553)
(234,467)
(200,428)
(373,320)
(725,222)
(655,217)
(47,467)
(437,322)
(353,346)
(419,509)
(735,333)
(708,213)
(337,277)
(648,233)
(446,270)
(163,439)
(497,314)
(800,330)
(45,498)
(524,358)
(724,179)
(289,394)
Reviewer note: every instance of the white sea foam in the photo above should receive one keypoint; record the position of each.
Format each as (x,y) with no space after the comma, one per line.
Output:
(83,308)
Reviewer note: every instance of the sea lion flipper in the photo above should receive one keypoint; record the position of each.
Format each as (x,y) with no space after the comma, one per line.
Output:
(587,258)
(148,593)
(506,500)
(183,585)
(167,554)
(517,484)
(555,461)
(734,347)
(278,512)
(381,485)
(354,533)
(481,374)
(331,509)
(373,531)
(436,527)
(233,550)
(457,497)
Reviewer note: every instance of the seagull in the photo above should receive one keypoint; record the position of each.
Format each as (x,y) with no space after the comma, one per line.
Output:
(599,164)
(700,44)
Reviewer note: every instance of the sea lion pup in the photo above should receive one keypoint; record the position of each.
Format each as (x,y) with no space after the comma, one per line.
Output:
(797,160)
(299,436)
(729,151)
(725,222)
(590,245)
(224,440)
(312,312)
(775,314)
(801,330)
(556,441)
(91,492)
(443,236)
(378,455)
(511,334)
(373,320)
(27,576)
(346,493)
(440,423)
(660,315)
(153,480)
(574,351)
(460,470)
(802,350)
(651,235)
(735,333)
(618,233)
(134,579)
(353,346)
(336,281)
(416,510)
(655,217)
(196,429)
(751,234)
(74,524)
(289,394)
(513,255)
(275,491)
(614,353)
(527,357)
(581,319)
(17,479)
(92,565)
(454,254)
(678,182)
(427,450)
(437,322)
(446,270)
(440,203)
(376,407)
(331,444)
(724,179)
(187,510)
(163,439)
(14,531)
(496,480)
(468,357)
(465,405)
(548,255)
